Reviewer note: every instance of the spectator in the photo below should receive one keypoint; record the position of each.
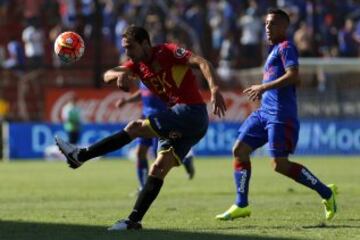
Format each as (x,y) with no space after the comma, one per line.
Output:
(68,13)
(88,13)
(109,20)
(71,116)
(328,36)
(33,38)
(228,56)
(303,40)
(156,29)
(251,31)
(215,22)
(16,59)
(348,47)
(4,5)
(32,8)
(120,26)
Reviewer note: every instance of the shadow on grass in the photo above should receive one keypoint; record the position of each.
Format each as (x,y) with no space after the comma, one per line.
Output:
(12,230)
(324,225)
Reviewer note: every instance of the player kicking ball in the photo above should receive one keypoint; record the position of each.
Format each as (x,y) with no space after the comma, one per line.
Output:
(166,70)
(275,122)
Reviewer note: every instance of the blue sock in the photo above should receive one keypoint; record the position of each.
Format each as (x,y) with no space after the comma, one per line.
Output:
(303,176)
(142,170)
(242,174)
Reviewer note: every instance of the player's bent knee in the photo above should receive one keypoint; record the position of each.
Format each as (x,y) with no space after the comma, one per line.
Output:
(241,150)
(163,164)
(280,165)
(133,125)
(133,128)
(159,170)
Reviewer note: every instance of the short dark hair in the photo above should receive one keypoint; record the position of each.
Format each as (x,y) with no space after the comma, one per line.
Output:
(281,13)
(139,34)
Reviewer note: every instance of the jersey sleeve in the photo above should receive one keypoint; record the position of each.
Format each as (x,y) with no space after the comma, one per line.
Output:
(129,65)
(178,55)
(289,55)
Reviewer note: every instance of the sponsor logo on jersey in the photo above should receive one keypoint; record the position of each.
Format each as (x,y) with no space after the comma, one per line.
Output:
(180,52)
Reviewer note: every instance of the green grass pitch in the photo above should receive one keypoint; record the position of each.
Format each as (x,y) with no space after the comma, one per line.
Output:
(48,201)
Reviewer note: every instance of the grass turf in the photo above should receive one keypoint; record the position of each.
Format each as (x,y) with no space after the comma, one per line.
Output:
(46,200)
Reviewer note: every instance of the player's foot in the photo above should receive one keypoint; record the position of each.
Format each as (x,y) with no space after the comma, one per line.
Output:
(125,224)
(189,167)
(330,204)
(234,212)
(71,152)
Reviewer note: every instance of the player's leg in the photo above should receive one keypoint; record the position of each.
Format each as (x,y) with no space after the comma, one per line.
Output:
(188,162)
(77,156)
(180,137)
(242,174)
(142,167)
(159,169)
(282,142)
(304,176)
(252,135)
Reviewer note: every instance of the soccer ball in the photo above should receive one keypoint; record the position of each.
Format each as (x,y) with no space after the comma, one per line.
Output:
(69,47)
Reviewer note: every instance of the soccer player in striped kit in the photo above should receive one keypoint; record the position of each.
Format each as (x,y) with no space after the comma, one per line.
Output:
(275,122)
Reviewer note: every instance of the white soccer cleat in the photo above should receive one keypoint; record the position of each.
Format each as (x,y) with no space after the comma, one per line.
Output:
(125,224)
(71,152)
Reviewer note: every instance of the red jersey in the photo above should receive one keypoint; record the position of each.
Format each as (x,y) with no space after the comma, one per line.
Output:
(168,76)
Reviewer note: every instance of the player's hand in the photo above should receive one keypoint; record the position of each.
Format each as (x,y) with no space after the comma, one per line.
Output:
(218,102)
(254,92)
(121,102)
(122,82)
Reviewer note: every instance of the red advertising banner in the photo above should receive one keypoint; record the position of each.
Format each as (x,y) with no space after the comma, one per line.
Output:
(98,105)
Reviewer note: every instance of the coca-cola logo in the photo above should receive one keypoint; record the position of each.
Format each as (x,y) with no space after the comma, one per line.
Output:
(99,106)
(107,112)
(98,109)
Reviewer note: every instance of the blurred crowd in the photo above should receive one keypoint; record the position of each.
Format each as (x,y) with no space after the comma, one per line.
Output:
(228,32)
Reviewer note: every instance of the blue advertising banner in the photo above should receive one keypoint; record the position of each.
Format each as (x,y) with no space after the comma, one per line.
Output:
(329,137)
(30,140)
(317,137)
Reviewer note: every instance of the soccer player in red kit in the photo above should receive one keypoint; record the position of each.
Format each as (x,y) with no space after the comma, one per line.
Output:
(166,70)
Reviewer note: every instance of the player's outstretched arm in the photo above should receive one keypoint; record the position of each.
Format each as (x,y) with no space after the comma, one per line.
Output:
(112,74)
(217,100)
(135,97)
(119,74)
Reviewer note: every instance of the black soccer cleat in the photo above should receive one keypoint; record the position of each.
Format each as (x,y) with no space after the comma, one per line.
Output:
(125,224)
(71,152)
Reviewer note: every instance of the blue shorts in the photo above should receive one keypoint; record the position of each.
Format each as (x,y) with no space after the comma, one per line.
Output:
(180,127)
(280,132)
(149,142)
